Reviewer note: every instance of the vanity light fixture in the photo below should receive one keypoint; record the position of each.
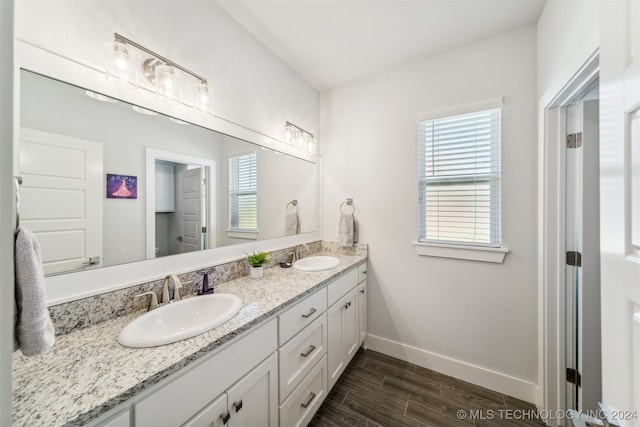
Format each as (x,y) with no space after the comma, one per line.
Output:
(298,137)
(126,60)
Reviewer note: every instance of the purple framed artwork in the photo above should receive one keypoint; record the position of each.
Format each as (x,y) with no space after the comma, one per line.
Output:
(122,186)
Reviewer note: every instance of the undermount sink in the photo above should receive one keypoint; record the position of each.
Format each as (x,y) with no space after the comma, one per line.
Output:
(180,320)
(316,263)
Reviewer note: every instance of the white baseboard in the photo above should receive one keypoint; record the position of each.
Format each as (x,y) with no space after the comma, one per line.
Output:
(478,375)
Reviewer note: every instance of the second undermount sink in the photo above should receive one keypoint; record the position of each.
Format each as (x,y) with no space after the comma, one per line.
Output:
(316,263)
(180,320)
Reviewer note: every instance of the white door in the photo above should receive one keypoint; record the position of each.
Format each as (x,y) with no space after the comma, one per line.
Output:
(61,198)
(620,206)
(190,209)
(582,283)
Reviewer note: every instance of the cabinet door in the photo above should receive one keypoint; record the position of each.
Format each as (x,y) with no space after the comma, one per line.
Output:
(362,311)
(253,401)
(350,325)
(214,415)
(335,342)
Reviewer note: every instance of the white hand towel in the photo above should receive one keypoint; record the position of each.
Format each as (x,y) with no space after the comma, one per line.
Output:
(346,229)
(34,328)
(291,223)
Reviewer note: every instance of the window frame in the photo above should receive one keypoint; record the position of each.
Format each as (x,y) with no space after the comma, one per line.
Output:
(475,251)
(236,231)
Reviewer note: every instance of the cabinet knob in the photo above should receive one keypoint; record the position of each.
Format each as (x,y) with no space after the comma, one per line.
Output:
(237,405)
(225,417)
(362,291)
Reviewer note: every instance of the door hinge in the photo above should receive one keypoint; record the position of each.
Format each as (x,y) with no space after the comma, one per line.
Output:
(574,140)
(574,258)
(204,229)
(574,377)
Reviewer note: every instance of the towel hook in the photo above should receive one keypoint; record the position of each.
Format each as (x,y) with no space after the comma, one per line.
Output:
(18,182)
(293,203)
(348,202)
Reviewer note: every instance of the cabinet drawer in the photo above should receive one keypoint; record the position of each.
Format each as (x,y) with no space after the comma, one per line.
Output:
(298,357)
(205,381)
(301,314)
(339,287)
(362,272)
(305,400)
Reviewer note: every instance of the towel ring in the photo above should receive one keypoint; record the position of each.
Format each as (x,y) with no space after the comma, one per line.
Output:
(293,203)
(18,182)
(348,202)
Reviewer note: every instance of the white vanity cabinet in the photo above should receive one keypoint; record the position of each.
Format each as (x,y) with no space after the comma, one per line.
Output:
(342,324)
(362,303)
(241,377)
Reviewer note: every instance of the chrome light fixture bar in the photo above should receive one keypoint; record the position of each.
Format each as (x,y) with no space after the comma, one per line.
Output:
(299,137)
(126,58)
(162,59)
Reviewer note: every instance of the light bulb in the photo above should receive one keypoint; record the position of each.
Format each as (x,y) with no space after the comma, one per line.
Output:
(165,81)
(202,97)
(119,64)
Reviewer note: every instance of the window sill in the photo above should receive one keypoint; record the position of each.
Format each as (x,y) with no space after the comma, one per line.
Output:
(242,234)
(471,253)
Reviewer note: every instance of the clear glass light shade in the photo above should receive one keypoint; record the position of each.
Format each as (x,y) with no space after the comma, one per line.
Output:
(288,134)
(312,145)
(202,101)
(121,65)
(167,83)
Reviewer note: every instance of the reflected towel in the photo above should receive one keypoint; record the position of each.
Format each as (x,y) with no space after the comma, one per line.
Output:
(291,223)
(346,228)
(33,327)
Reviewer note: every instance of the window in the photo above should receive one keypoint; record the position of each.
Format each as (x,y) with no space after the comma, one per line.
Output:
(460,179)
(243,192)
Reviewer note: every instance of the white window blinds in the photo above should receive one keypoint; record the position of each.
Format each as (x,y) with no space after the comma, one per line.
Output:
(243,192)
(460,178)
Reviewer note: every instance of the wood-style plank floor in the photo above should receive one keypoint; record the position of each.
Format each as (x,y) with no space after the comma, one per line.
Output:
(378,390)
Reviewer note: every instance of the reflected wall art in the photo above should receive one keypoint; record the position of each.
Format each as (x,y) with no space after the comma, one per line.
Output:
(122,186)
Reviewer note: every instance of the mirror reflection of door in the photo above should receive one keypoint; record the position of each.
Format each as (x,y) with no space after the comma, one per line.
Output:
(180,202)
(61,199)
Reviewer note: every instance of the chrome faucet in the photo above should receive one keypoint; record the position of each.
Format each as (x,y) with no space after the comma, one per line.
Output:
(164,299)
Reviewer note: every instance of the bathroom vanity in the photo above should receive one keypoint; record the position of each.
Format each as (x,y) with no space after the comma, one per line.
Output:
(272,364)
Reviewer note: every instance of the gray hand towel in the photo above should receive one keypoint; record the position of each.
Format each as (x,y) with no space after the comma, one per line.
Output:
(291,223)
(346,229)
(34,328)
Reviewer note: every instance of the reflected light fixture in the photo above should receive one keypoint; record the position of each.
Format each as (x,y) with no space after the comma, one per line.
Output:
(126,60)
(298,137)
(99,96)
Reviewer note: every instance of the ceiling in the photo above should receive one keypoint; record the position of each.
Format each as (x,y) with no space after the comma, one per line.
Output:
(333,42)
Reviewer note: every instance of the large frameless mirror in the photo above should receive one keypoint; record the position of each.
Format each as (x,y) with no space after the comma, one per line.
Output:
(108,183)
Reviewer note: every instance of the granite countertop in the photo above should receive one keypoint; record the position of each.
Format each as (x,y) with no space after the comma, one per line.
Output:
(88,372)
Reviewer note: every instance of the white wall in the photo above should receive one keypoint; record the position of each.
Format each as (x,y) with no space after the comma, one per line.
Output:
(469,319)
(567,36)
(7,210)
